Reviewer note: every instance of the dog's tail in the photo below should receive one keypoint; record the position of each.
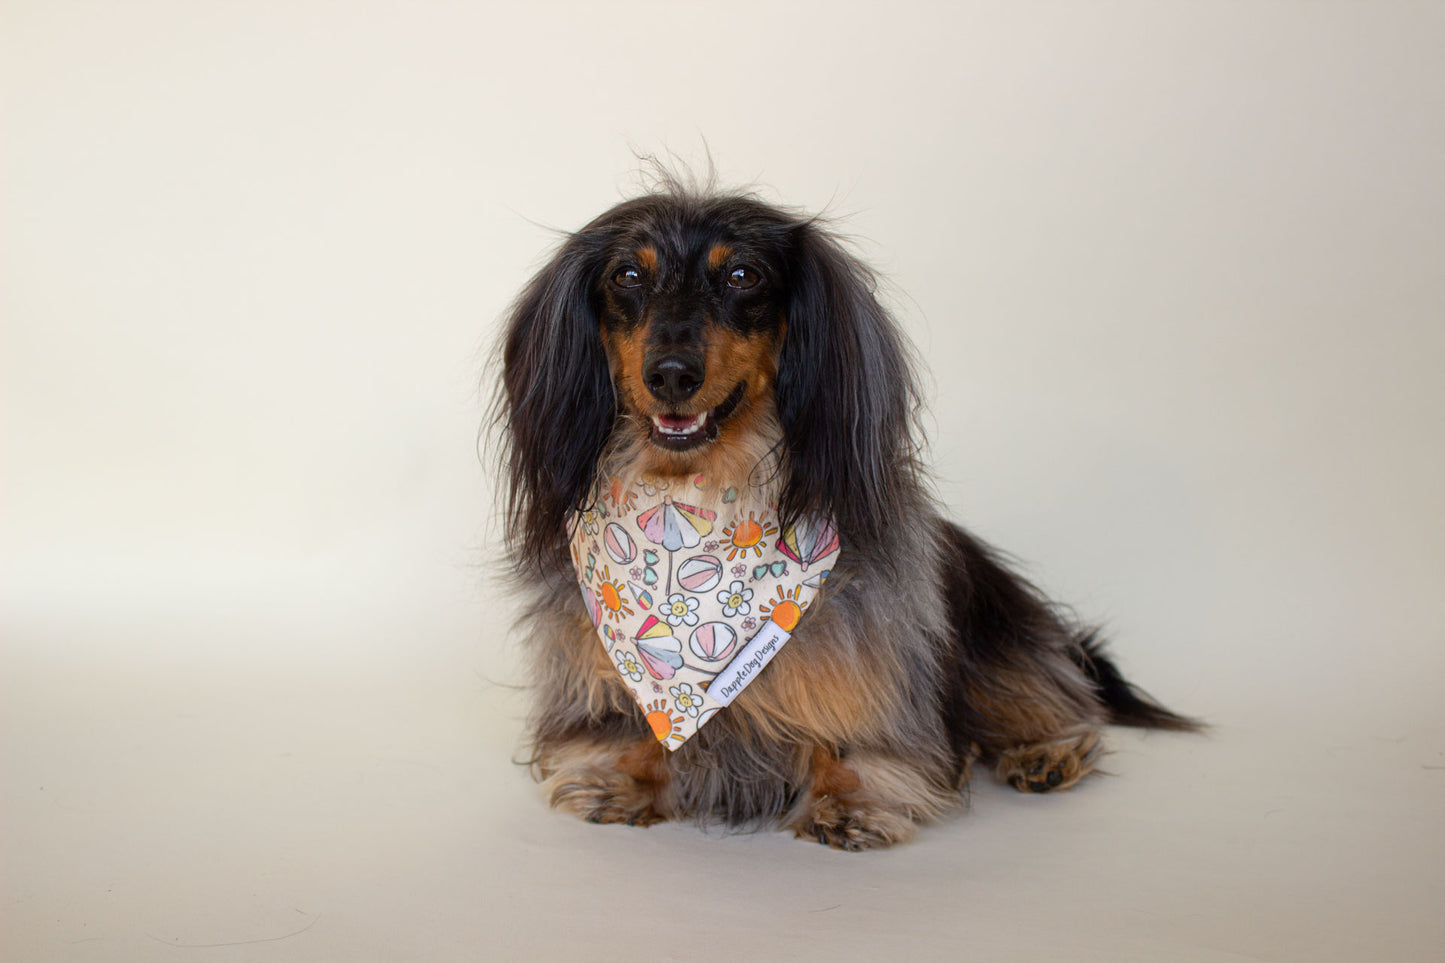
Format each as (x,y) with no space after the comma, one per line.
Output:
(1127,705)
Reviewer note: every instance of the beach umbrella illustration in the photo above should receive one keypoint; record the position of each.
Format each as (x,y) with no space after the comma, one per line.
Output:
(594,607)
(806,544)
(675,526)
(660,651)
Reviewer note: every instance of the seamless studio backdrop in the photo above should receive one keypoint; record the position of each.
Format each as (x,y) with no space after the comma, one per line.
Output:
(1174,269)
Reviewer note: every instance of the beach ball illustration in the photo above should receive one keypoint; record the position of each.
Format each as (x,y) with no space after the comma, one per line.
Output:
(713,641)
(699,573)
(619,544)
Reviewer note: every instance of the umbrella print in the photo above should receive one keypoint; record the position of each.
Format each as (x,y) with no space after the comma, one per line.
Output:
(594,607)
(660,652)
(808,544)
(675,526)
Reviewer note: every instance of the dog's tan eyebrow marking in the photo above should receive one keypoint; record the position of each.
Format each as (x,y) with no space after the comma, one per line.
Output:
(647,258)
(718,256)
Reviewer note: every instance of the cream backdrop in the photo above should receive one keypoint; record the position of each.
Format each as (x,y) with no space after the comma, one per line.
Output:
(1176,270)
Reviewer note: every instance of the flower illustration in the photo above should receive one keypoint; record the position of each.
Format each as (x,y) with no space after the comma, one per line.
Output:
(685,699)
(735,599)
(589,521)
(739,571)
(636,573)
(749,624)
(679,610)
(710,546)
(628,665)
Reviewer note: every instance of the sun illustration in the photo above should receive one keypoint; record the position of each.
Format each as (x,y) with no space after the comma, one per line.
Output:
(746,534)
(785,610)
(664,724)
(623,498)
(609,593)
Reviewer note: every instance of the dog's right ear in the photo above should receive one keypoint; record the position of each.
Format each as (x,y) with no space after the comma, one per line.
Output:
(557,404)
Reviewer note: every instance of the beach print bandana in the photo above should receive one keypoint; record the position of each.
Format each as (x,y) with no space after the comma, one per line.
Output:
(692,602)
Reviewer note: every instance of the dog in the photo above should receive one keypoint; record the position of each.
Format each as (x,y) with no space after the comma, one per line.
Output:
(733,354)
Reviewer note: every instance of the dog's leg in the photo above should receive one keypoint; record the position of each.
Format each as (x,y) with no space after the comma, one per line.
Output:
(591,749)
(864,800)
(1020,690)
(608,780)
(1037,734)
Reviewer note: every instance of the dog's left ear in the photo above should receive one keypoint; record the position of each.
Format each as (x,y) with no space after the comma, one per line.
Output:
(846,394)
(557,405)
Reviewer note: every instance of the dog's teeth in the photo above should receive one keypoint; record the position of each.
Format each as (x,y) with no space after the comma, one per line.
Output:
(686,427)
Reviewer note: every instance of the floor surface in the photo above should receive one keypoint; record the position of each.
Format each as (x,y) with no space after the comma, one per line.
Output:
(283,808)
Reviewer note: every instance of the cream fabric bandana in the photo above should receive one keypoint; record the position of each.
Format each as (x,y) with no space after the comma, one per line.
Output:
(692,602)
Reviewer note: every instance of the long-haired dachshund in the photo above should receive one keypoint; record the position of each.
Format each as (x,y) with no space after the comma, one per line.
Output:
(734,354)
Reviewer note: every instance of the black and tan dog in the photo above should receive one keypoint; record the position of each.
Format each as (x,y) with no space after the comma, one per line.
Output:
(686,334)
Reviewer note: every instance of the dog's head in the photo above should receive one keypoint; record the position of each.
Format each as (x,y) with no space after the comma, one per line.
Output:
(692,313)
(704,335)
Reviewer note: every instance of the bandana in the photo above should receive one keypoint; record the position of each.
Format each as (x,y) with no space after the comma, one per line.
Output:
(692,602)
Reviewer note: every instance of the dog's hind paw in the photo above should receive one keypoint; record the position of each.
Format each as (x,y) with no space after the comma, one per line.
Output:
(1050,766)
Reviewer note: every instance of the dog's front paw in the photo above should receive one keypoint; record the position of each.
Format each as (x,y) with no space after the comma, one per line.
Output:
(1050,766)
(602,796)
(854,826)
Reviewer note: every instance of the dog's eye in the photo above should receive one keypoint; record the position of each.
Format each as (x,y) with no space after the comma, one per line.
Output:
(627,277)
(743,277)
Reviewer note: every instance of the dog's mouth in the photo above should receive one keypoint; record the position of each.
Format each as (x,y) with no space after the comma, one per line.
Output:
(677,432)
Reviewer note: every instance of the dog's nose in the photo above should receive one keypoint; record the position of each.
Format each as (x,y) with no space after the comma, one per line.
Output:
(674,378)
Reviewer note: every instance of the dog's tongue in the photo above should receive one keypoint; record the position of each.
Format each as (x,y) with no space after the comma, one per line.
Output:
(679,424)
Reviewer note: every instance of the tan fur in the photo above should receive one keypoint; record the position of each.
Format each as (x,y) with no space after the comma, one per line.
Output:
(590,679)
(744,438)
(625,351)
(595,779)
(831,777)
(829,694)
(646,762)
(867,800)
(1051,766)
(1029,708)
